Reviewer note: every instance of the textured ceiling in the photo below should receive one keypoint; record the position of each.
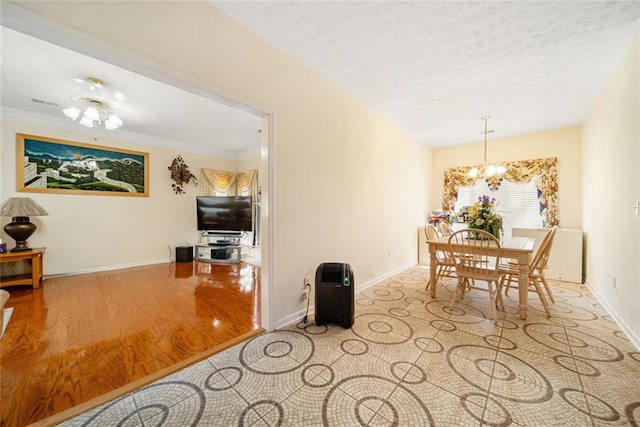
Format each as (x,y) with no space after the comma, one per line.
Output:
(435,68)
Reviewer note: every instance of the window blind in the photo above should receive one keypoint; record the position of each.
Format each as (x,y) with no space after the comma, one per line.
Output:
(517,203)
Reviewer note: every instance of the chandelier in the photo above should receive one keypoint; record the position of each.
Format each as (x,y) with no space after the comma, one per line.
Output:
(94,107)
(486,170)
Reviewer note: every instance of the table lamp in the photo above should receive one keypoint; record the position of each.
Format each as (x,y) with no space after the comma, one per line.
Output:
(19,229)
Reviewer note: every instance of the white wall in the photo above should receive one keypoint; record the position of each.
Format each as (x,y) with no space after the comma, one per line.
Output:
(611,158)
(348,185)
(84,233)
(565,144)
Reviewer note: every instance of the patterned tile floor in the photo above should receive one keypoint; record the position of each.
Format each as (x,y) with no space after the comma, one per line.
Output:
(409,360)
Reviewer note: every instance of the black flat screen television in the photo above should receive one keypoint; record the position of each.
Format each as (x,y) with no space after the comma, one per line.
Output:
(224,213)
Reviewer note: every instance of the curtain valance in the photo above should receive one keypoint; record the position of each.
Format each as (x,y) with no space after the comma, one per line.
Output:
(542,172)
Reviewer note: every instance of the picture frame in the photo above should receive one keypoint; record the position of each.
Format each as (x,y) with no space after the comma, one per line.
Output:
(50,165)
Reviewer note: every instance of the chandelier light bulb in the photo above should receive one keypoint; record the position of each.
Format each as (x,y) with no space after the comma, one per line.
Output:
(113,122)
(92,114)
(473,172)
(84,121)
(72,112)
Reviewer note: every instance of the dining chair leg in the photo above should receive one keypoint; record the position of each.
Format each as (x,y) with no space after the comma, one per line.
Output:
(468,284)
(456,291)
(543,299)
(492,299)
(499,299)
(506,288)
(548,288)
(439,275)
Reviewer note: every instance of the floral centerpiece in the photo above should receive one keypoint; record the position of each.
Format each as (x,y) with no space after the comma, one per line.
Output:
(482,216)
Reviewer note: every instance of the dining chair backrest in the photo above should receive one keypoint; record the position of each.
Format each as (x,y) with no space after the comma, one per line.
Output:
(445,229)
(431,232)
(541,257)
(476,253)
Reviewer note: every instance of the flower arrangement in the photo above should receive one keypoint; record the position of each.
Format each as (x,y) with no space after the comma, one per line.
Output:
(482,216)
(181,175)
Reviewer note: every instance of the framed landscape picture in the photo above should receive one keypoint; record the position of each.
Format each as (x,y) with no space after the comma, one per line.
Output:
(48,165)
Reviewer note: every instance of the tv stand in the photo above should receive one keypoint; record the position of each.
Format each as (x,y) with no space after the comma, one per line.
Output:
(224,246)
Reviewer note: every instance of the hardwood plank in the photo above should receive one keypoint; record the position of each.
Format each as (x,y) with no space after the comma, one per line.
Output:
(78,338)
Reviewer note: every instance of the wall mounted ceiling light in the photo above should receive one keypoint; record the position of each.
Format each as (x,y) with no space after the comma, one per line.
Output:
(95,107)
(487,169)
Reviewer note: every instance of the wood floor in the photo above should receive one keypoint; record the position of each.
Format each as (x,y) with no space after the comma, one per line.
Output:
(80,340)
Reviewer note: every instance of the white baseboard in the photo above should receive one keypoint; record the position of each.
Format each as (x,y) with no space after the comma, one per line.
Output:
(109,268)
(635,340)
(299,315)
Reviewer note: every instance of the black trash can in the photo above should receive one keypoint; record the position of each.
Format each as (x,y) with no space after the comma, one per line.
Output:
(334,294)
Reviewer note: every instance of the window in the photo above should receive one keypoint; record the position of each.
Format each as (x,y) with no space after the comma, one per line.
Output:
(541,173)
(517,203)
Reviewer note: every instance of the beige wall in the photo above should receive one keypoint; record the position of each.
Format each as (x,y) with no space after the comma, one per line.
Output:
(611,158)
(565,144)
(88,233)
(248,164)
(348,185)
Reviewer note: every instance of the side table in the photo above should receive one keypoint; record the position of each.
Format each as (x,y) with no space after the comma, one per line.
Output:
(35,257)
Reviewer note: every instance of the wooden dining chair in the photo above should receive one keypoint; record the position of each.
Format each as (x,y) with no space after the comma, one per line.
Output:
(537,266)
(445,267)
(445,229)
(476,257)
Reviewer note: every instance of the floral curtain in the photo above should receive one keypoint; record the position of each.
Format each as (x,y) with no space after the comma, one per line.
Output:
(216,182)
(247,183)
(248,186)
(543,173)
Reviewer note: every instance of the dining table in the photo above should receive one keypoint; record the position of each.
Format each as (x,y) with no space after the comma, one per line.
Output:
(518,249)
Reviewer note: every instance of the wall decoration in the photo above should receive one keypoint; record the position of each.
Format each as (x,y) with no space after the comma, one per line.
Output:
(49,165)
(181,175)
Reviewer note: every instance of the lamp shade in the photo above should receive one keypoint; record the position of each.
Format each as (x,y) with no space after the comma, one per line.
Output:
(21,206)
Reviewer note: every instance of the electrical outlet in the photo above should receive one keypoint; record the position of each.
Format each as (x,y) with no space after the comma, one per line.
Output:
(613,282)
(306,287)
(389,255)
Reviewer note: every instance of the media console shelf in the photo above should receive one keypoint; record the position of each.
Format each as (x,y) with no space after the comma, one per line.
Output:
(221,247)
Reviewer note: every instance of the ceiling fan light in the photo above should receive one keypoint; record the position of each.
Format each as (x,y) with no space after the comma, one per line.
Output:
(72,112)
(112,122)
(86,121)
(95,106)
(92,114)
(116,120)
